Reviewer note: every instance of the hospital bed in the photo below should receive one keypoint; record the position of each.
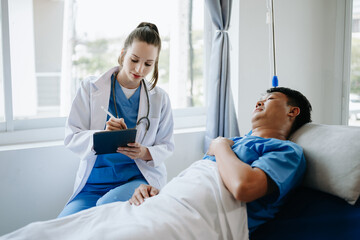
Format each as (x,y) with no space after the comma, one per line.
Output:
(326,205)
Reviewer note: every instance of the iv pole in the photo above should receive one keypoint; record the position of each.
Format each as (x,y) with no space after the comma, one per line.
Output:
(275,81)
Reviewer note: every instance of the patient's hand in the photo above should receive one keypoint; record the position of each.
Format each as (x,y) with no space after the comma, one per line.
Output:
(142,192)
(218,144)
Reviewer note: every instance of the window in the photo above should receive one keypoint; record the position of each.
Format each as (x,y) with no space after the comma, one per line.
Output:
(2,109)
(56,44)
(354,98)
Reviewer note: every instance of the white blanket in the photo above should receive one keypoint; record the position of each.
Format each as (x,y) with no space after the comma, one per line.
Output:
(194,205)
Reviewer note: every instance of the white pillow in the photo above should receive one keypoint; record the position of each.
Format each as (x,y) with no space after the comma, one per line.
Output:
(332,154)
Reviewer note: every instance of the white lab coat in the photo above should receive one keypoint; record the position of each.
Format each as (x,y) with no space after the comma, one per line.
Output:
(86,117)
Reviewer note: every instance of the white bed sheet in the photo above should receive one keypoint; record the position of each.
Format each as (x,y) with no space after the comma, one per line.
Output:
(194,205)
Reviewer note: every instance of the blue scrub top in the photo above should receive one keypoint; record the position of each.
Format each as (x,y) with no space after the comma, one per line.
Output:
(117,168)
(127,108)
(282,161)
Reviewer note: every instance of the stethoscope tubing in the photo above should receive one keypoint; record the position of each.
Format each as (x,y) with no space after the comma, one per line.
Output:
(146,118)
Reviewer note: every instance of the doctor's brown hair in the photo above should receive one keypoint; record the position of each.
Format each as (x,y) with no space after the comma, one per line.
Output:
(144,32)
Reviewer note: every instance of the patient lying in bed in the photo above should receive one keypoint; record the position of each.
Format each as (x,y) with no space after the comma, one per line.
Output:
(270,166)
(239,184)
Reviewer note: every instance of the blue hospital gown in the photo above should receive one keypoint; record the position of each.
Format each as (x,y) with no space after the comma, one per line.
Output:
(282,161)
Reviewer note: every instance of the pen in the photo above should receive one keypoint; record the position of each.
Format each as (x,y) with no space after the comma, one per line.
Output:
(107,112)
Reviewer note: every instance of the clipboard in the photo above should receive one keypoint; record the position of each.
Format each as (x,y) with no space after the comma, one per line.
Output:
(108,141)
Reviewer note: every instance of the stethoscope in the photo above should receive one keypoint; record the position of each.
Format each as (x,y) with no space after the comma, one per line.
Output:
(145,118)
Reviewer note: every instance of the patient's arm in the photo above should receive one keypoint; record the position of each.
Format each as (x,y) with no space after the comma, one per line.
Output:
(244,182)
(142,192)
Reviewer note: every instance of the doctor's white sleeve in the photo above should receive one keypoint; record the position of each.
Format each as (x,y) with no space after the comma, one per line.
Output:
(78,137)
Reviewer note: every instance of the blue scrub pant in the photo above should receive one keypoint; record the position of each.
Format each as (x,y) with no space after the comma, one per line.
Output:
(91,196)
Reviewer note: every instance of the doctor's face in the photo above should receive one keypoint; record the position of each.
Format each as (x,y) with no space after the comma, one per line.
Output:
(139,61)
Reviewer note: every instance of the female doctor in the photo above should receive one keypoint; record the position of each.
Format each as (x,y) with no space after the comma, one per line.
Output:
(134,102)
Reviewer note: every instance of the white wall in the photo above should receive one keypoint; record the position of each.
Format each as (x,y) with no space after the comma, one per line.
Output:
(309,52)
(36,182)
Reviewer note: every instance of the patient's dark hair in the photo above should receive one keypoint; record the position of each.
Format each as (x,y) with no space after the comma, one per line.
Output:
(296,99)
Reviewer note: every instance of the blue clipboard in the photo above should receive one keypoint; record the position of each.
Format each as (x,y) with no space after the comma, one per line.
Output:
(108,141)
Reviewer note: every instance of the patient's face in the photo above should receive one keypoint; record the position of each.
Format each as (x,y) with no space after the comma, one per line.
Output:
(272,109)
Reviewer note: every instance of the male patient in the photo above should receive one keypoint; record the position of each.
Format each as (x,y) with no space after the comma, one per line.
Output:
(270,165)
(240,184)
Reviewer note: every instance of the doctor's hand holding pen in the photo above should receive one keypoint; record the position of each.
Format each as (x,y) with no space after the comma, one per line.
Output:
(114,123)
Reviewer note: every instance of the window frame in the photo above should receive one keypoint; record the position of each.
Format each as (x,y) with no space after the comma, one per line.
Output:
(52,129)
(347,61)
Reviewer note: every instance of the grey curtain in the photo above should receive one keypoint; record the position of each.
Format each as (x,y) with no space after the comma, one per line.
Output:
(221,118)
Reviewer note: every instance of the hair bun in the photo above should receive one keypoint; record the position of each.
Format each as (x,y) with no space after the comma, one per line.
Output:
(150,25)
